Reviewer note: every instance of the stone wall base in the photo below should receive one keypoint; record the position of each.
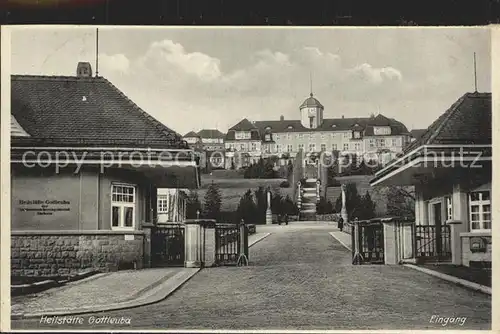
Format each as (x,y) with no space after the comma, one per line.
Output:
(59,254)
(468,256)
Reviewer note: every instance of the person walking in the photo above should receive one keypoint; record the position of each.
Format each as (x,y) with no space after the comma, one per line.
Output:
(341,224)
(286,218)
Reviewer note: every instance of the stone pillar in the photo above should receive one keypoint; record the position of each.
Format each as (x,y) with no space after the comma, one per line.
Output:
(390,243)
(343,211)
(406,239)
(147,228)
(299,195)
(421,212)
(318,193)
(455,242)
(193,244)
(460,214)
(269,214)
(460,204)
(208,256)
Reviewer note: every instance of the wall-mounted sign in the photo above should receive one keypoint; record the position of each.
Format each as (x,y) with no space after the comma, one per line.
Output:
(129,237)
(478,245)
(44,207)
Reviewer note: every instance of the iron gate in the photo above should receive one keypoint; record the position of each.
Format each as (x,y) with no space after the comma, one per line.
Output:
(229,248)
(370,242)
(433,242)
(167,245)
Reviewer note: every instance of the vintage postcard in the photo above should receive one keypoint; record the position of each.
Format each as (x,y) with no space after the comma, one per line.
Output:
(257,179)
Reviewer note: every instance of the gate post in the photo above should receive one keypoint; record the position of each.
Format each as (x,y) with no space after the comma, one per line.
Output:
(208,248)
(193,243)
(243,246)
(455,241)
(390,242)
(146,251)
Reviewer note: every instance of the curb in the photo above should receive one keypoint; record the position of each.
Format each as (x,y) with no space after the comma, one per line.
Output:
(340,241)
(250,244)
(151,296)
(36,287)
(452,279)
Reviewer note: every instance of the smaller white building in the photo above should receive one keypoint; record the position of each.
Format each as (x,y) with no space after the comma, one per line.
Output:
(172,205)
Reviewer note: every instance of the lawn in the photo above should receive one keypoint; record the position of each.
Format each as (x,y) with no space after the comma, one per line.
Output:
(233,188)
(476,275)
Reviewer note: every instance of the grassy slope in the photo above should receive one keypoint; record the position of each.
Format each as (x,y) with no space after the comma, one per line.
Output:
(233,186)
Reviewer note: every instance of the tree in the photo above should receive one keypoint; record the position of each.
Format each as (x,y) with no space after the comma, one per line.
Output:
(247,208)
(213,201)
(261,200)
(289,207)
(289,168)
(324,206)
(331,176)
(193,204)
(400,201)
(367,207)
(264,169)
(276,203)
(353,202)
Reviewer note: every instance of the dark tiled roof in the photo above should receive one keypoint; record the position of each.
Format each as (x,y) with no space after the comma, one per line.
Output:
(311,102)
(191,134)
(467,121)
(417,133)
(243,125)
(211,133)
(334,124)
(84,110)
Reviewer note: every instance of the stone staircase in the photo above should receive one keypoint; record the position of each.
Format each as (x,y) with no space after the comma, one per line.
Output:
(308,207)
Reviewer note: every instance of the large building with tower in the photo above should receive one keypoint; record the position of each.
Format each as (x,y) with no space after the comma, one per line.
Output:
(374,137)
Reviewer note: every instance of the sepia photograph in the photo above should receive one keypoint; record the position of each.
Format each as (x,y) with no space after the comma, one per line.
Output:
(250,178)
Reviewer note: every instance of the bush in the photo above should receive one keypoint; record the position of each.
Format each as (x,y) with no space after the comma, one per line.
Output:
(228,217)
(367,207)
(247,209)
(324,206)
(261,170)
(285,184)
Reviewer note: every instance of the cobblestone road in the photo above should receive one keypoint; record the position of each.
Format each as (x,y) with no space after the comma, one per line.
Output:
(303,279)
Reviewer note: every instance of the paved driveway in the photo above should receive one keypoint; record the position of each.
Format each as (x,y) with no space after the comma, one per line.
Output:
(301,278)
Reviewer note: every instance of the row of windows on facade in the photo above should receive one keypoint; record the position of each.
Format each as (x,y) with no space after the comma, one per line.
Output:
(346,135)
(124,205)
(379,143)
(377,131)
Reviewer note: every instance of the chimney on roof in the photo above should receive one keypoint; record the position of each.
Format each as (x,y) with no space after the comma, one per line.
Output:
(84,70)
(282,118)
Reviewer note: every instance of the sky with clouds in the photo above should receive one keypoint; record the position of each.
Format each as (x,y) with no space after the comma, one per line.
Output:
(194,78)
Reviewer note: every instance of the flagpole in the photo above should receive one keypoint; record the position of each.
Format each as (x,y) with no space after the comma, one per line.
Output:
(97,53)
(475,74)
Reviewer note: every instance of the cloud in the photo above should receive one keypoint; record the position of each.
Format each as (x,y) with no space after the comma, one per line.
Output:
(116,62)
(271,83)
(365,72)
(172,59)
